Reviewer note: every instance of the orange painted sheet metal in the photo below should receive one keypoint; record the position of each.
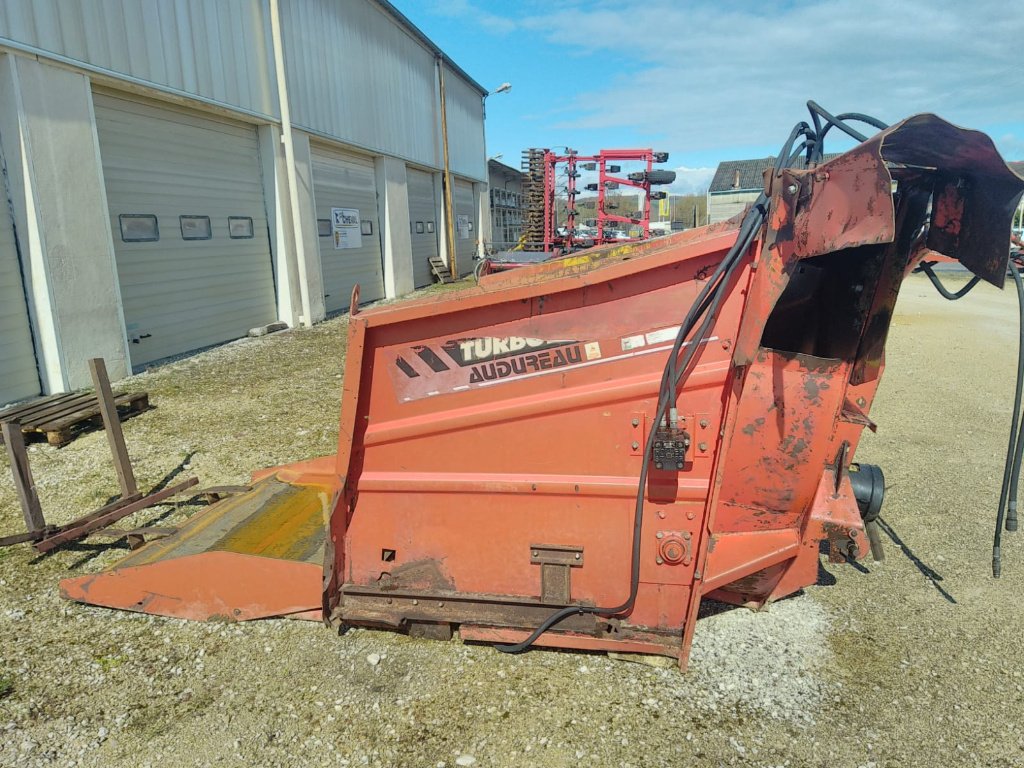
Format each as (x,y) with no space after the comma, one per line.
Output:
(253,555)
(491,441)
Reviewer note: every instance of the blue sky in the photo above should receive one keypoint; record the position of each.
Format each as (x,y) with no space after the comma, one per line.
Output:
(724,79)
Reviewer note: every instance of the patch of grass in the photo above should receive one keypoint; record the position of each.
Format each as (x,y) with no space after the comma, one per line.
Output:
(110,662)
(6,686)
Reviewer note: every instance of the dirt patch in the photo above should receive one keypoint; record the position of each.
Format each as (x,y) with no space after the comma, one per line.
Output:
(907,664)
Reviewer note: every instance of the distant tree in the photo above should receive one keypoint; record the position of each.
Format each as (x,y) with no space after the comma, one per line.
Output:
(684,206)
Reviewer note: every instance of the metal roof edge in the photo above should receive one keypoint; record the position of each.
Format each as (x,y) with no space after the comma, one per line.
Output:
(420,35)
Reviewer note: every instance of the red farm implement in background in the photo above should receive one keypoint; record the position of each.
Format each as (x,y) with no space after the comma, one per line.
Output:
(566,239)
(577,453)
(554,225)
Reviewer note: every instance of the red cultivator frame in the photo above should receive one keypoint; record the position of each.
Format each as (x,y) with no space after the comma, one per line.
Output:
(577,453)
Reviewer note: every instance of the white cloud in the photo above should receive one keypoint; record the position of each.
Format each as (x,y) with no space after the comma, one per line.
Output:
(747,72)
(730,74)
(718,79)
(691,181)
(464,10)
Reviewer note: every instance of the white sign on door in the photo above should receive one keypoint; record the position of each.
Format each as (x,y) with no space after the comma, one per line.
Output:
(345,228)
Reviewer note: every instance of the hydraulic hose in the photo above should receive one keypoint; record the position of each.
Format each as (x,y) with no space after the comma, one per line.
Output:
(707,302)
(1011,469)
(706,306)
(926,267)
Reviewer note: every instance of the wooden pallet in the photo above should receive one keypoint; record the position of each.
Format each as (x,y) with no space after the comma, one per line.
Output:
(60,417)
(440,269)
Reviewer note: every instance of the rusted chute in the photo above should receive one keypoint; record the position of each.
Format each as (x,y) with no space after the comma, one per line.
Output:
(592,447)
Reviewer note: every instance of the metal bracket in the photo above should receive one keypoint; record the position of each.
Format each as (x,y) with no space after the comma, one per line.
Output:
(555,576)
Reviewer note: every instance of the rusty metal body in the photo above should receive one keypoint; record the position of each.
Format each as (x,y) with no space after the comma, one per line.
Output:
(491,440)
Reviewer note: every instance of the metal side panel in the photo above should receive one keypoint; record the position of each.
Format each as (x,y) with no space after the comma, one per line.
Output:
(19,376)
(345,180)
(255,555)
(423,220)
(183,294)
(465,239)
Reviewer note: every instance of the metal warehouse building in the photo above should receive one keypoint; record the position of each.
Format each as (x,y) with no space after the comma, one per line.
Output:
(179,171)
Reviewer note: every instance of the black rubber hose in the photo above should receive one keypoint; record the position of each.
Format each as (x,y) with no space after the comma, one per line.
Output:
(718,290)
(1018,455)
(1011,451)
(926,267)
(707,303)
(833,120)
(839,121)
(800,129)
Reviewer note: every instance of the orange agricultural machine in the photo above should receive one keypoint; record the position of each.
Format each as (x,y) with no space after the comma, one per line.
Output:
(575,454)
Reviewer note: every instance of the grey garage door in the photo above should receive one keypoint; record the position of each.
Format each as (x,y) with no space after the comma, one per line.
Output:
(189,224)
(423,221)
(344,182)
(465,240)
(19,377)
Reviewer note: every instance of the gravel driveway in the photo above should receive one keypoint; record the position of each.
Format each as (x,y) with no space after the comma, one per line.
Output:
(907,663)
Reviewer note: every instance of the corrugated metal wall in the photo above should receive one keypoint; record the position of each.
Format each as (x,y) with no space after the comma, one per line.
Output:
(423,221)
(354,75)
(465,128)
(466,240)
(347,180)
(182,293)
(216,50)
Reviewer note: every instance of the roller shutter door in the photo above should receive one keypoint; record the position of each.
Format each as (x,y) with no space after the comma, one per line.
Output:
(344,180)
(19,376)
(423,222)
(206,278)
(465,205)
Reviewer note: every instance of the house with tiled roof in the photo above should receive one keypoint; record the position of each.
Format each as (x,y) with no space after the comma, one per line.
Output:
(736,184)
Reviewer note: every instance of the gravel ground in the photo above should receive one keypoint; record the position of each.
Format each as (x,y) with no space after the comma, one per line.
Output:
(897,664)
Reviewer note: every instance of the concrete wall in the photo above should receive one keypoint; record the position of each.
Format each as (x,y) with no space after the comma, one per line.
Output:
(722,206)
(293,244)
(483,207)
(393,210)
(48,132)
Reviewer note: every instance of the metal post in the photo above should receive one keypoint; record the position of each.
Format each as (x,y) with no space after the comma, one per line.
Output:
(289,162)
(112,426)
(449,217)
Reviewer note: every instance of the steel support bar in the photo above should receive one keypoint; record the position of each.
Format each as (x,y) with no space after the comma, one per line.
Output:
(81,529)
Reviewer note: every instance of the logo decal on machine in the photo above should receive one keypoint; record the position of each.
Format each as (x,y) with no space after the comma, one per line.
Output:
(457,365)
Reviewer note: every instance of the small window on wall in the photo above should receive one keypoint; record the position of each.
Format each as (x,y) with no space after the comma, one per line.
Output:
(366,227)
(195,227)
(430,226)
(139,228)
(323,227)
(470,225)
(419,228)
(240,227)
